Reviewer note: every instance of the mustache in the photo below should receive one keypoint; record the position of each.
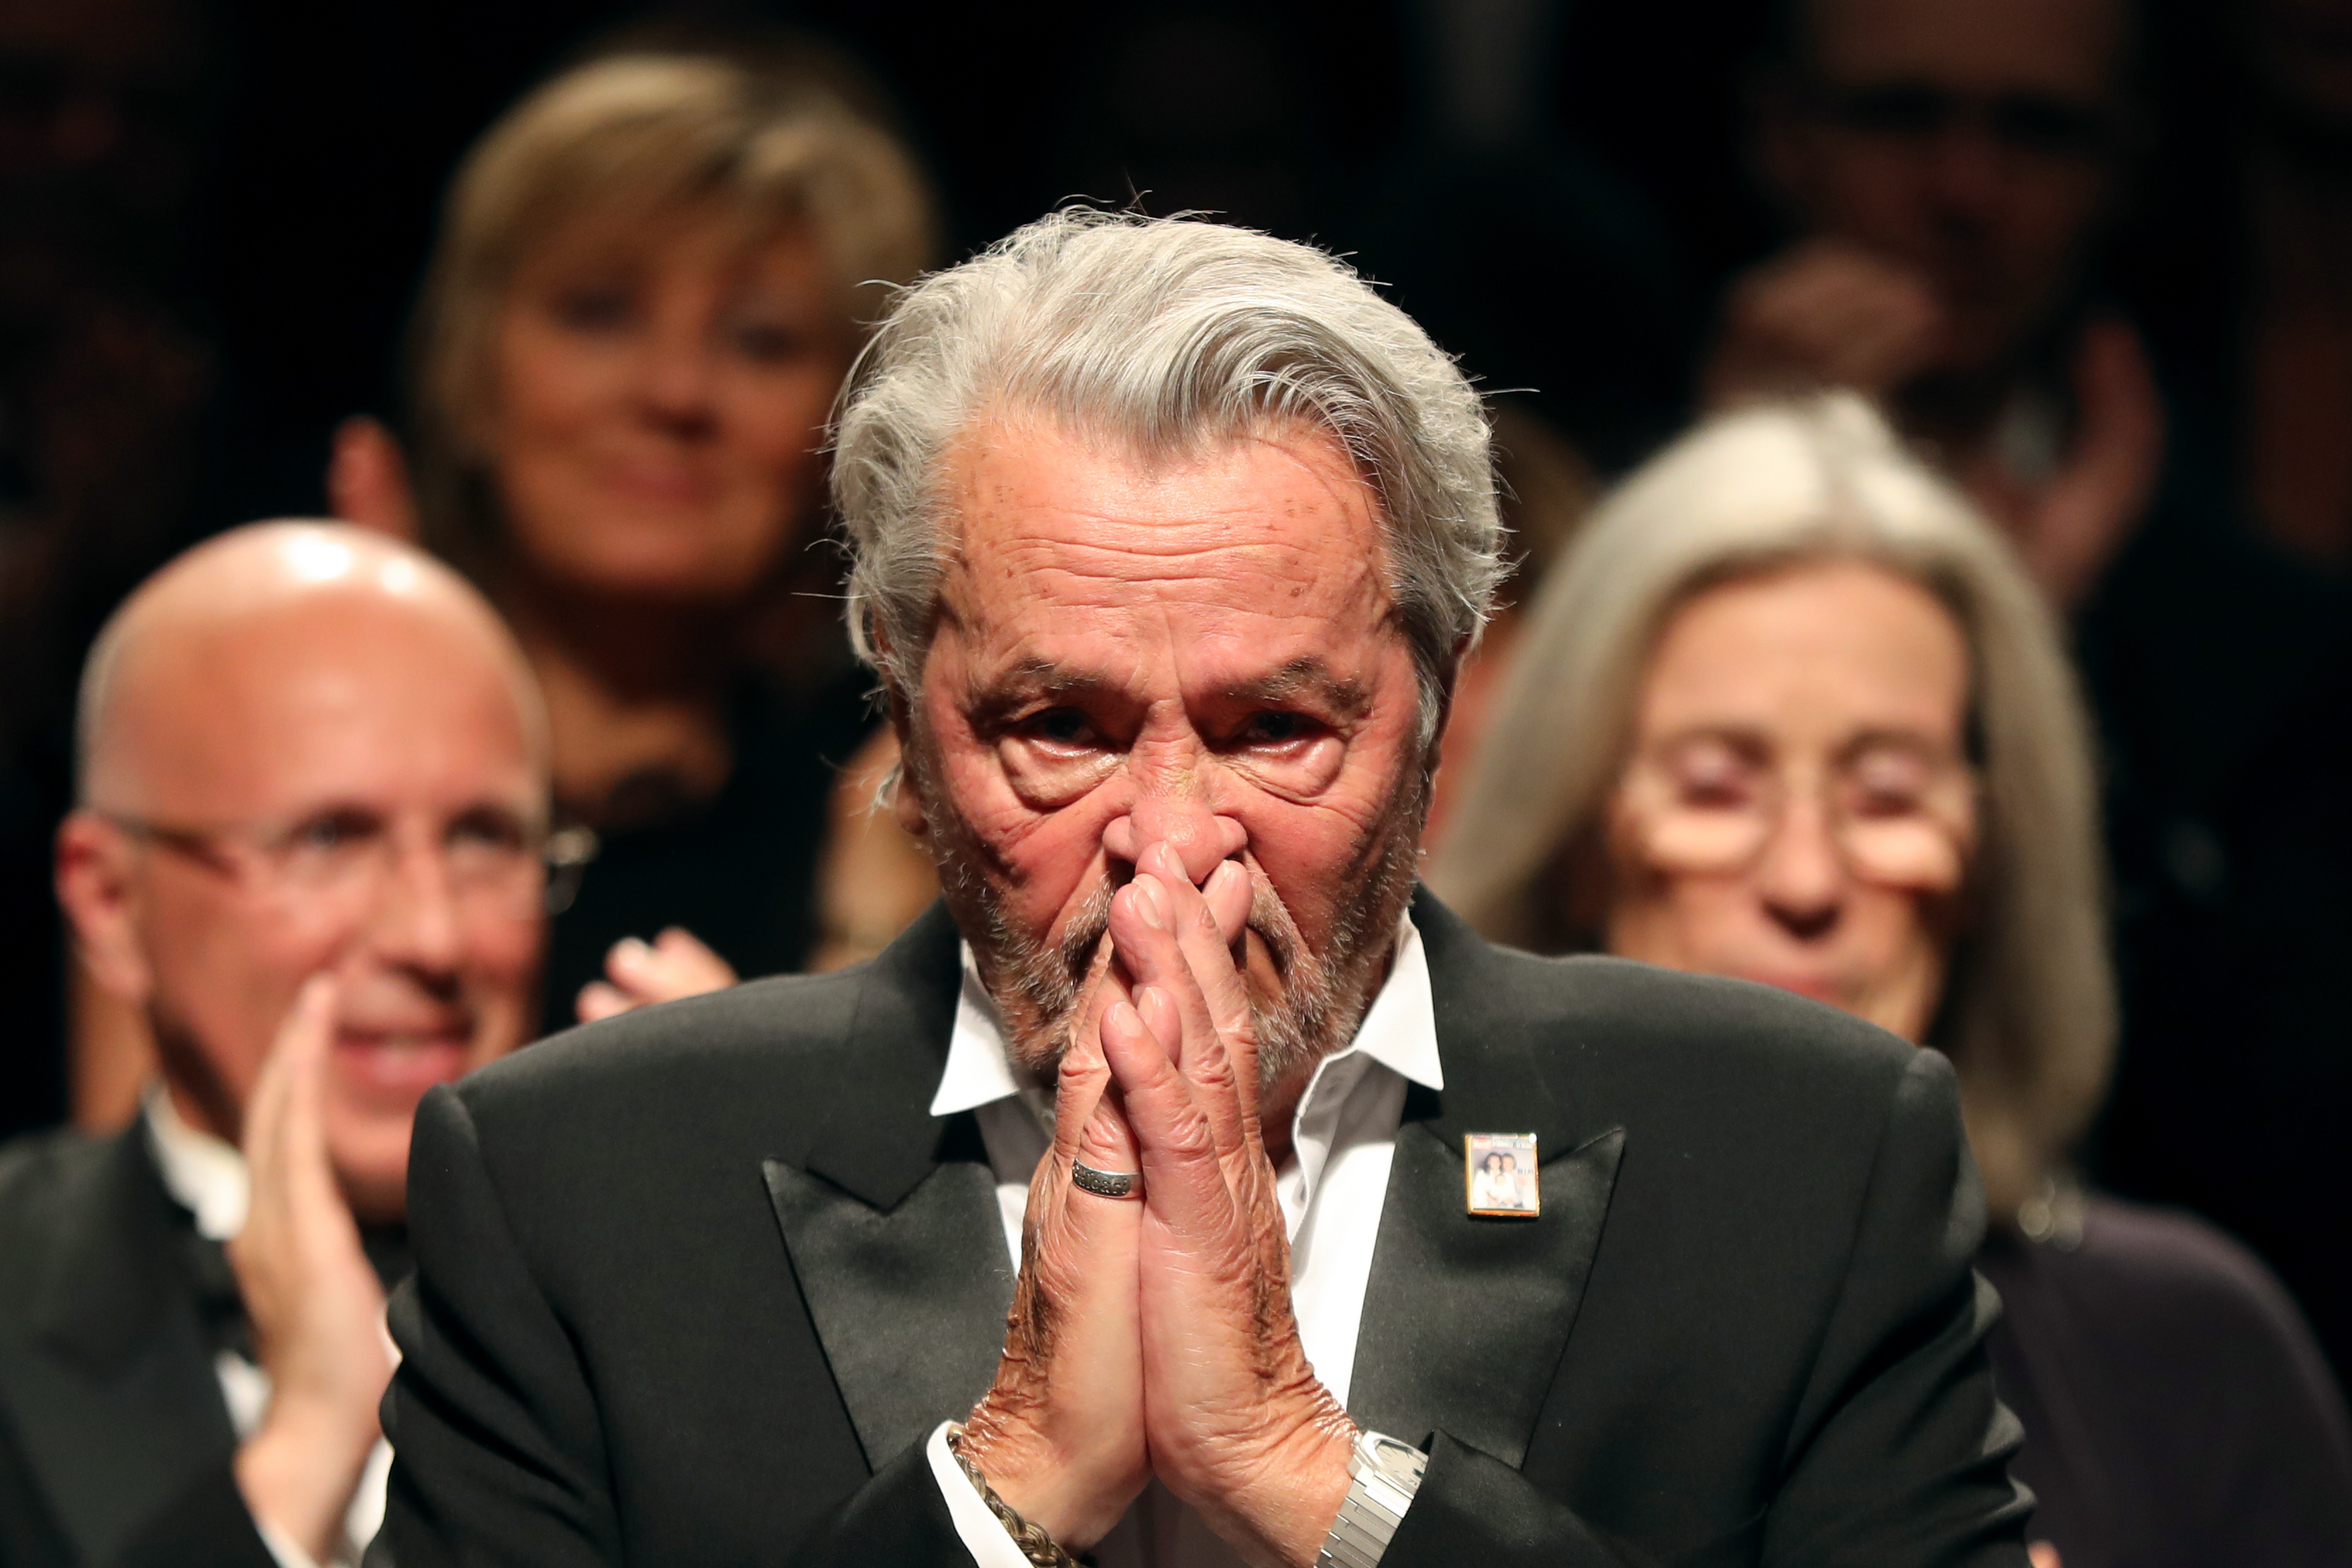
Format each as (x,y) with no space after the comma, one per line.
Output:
(1082,937)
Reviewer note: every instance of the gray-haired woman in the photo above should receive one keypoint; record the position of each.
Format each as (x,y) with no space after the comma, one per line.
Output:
(1791,711)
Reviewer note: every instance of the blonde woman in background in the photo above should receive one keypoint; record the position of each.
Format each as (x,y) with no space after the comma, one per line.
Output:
(652,274)
(1791,710)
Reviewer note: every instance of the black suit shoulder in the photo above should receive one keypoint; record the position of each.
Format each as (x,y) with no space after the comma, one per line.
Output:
(1747,1028)
(766,1033)
(41,1174)
(1688,1059)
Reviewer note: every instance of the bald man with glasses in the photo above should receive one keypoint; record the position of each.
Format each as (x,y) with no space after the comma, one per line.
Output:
(311,850)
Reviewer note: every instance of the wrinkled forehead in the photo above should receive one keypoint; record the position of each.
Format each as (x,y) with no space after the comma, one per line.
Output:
(332,698)
(1265,532)
(1811,653)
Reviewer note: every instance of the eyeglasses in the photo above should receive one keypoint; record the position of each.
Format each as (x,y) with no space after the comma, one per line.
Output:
(2033,124)
(1896,811)
(341,859)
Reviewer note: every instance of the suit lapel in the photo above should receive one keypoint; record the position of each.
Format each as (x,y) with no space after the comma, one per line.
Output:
(113,1393)
(1464,1318)
(890,1216)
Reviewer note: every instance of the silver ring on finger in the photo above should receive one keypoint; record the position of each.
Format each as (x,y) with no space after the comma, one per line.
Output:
(1106,1184)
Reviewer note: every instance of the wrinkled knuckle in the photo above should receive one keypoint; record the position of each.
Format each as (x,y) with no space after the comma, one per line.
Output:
(1099,1145)
(1191,1137)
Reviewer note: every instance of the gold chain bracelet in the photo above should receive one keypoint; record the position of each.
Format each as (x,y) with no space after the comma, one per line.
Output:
(1035,1545)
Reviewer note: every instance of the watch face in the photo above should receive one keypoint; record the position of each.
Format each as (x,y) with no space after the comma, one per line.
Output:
(1392,1458)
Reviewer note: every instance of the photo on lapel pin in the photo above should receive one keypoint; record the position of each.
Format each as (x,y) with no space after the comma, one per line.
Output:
(1498,1173)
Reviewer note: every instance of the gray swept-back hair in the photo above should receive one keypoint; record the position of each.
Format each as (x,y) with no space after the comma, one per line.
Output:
(2029,1015)
(1164,333)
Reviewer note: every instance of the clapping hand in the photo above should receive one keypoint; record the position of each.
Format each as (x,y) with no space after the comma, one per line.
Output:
(638,974)
(313,1301)
(1826,314)
(2069,527)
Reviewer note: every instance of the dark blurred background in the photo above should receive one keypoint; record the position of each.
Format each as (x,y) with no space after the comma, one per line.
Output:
(1557,187)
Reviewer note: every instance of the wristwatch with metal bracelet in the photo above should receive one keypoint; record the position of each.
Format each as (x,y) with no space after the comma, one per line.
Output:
(1385,1474)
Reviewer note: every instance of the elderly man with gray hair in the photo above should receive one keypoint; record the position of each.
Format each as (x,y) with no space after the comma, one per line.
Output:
(1122,1207)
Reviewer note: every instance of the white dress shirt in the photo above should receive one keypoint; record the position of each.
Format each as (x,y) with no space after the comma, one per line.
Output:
(1331,1188)
(207,1177)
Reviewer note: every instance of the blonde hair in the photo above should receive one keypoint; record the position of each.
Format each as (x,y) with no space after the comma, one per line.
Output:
(2028,1017)
(772,138)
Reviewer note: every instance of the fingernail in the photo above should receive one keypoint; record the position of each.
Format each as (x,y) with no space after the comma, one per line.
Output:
(1148,897)
(1123,1021)
(630,950)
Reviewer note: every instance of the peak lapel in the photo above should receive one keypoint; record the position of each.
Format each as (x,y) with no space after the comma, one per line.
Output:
(1465,1318)
(891,1220)
(114,1397)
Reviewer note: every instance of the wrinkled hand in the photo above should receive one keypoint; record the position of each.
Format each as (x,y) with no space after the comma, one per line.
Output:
(1826,314)
(313,1299)
(1239,1426)
(2069,528)
(640,973)
(1060,1433)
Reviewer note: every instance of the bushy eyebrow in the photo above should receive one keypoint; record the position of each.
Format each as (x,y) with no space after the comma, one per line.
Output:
(1031,680)
(1306,676)
(1027,681)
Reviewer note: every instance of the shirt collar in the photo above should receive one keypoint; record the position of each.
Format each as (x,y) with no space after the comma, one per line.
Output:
(205,1175)
(1399,1031)
(980,1071)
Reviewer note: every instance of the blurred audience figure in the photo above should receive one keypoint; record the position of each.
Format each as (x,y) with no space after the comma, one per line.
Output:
(102,387)
(1518,246)
(309,853)
(2296,433)
(651,276)
(1950,171)
(1952,175)
(2233,849)
(1791,711)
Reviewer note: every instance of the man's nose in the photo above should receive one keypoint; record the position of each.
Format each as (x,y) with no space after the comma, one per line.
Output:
(1200,835)
(1801,877)
(416,922)
(1970,173)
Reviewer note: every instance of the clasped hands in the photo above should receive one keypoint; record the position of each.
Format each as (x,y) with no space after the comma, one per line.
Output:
(1156,1337)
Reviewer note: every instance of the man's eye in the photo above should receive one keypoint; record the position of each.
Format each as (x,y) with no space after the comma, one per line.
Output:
(1275,729)
(330,833)
(487,830)
(1062,727)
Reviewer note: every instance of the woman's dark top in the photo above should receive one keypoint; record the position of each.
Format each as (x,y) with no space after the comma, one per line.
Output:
(737,870)
(2178,1414)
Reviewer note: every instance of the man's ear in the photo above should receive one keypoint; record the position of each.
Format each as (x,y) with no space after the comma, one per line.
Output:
(906,785)
(97,887)
(905,782)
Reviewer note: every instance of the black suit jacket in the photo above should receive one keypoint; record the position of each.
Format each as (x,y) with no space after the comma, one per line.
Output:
(115,1444)
(693,1284)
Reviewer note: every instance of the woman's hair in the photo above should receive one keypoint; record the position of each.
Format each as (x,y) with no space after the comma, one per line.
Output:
(1162,333)
(773,137)
(2028,1014)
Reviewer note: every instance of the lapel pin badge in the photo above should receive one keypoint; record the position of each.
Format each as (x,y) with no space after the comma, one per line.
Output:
(1499,1175)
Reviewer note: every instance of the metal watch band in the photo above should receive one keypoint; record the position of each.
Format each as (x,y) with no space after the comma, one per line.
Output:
(1384,1475)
